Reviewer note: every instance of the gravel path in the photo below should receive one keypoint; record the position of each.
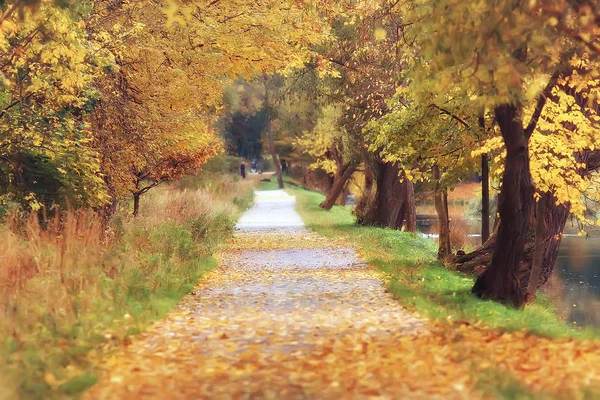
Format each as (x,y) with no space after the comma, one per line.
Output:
(287,314)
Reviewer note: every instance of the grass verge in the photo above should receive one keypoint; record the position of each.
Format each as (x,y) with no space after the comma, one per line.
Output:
(72,291)
(419,281)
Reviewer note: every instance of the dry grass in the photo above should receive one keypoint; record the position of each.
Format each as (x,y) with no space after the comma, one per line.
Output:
(460,230)
(460,200)
(55,265)
(69,287)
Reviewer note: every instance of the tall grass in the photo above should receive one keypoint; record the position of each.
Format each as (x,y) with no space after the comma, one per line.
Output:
(71,288)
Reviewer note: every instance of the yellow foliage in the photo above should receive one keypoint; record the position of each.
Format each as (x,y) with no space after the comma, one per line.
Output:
(173,73)
(325,142)
(48,66)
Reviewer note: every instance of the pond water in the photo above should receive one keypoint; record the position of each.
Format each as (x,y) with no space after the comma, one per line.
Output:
(575,284)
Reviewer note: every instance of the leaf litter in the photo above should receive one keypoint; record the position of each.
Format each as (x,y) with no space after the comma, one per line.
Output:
(294,315)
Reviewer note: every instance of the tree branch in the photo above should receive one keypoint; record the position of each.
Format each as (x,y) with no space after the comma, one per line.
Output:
(343,64)
(10,11)
(444,111)
(541,102)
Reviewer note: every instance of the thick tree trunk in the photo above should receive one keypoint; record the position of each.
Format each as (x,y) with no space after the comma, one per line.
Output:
(394,201)
(485,198)
(538,253)
(330,182)
(554,220)
(341,177)
(369,179)
(441,207)
(367,196)
(343,199)
(500,282)
(136,204)
(555,217)
(476,262)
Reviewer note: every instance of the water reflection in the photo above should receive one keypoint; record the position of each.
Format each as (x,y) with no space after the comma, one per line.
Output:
(575,284)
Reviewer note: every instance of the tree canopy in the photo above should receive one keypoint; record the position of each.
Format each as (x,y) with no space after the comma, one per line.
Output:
(103,100)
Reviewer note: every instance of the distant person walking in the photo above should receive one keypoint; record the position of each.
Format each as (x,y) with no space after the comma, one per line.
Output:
(243,170)
(283,166)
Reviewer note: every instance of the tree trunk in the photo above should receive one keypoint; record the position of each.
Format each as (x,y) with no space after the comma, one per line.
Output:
(410,207)
(341,177)
(136,204)
(394,201)
(476,262)
(276,163)
(367,197)
(268,127)
(330,181)
(441,207)
(555,217)
(500,282)
(368,180)
(343,199)
(538,253)
(485,198)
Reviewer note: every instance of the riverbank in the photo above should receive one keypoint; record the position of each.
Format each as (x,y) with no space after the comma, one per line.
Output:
(421,283)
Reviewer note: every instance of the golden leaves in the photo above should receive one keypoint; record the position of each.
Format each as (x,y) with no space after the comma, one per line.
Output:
(289,316)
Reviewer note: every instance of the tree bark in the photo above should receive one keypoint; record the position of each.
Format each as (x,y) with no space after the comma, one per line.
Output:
(341,177)
(538,253)
(394,202)
(441,207)
(410,211)
(368,180)
(367,196)
(555,217)
(485,198)
(500,282)
(136,204)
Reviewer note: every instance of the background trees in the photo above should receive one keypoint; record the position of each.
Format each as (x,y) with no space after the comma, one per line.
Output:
(432,92)
(104,100)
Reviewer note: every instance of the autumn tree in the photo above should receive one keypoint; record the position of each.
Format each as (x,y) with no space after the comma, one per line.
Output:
(330,147)
(432,144)
(564,161)
(365,72)
(510,58)
(370,56)
(172,75)
(332,151)
(48,67)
